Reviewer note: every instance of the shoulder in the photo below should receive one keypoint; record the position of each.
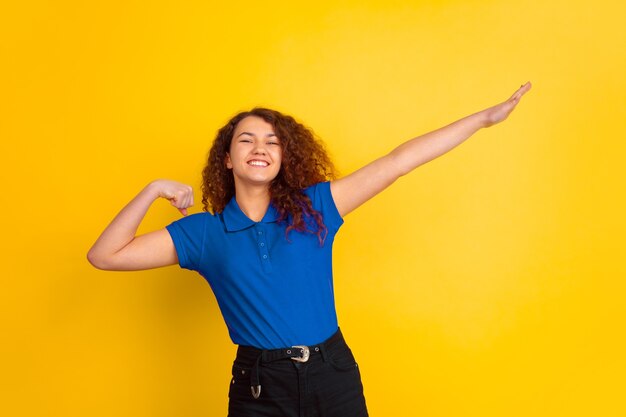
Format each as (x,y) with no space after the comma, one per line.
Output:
(196,221)
(194,218)
(322,201)
(318,190)
(189,235)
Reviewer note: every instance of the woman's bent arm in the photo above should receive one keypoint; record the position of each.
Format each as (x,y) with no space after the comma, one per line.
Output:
(353,190)
(118,249)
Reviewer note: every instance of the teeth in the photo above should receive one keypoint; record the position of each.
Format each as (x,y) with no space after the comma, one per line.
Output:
(258,163)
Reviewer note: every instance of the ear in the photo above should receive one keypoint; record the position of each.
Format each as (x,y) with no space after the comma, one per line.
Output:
(229,164)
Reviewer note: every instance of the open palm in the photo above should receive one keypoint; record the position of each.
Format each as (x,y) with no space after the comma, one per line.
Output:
(501,111)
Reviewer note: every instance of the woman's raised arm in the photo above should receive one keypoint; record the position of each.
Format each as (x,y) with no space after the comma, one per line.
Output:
(118,249)
(355,189)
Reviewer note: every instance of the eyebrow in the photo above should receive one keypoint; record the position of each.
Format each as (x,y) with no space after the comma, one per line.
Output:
(269,135)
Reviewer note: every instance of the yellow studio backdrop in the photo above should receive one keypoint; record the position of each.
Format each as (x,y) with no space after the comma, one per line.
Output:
(488,282)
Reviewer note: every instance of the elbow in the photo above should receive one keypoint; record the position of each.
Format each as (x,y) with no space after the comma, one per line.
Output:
(97,261)
(402,167)
(398,167)
(403,163)
(401,172)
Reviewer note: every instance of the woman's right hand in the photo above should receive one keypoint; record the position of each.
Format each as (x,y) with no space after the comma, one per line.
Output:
(119,248)
(180,195)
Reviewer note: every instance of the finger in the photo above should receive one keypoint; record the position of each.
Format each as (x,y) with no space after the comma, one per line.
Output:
(183,211)
(523,89)
(179,198)
(515,97)
(179,204)
(516,94)
(185,203)
(188,198)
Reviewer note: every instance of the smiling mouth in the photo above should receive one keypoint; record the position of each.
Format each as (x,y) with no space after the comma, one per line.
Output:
(257,163)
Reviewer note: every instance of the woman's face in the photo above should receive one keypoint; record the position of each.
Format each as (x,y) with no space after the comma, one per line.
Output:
(255,152)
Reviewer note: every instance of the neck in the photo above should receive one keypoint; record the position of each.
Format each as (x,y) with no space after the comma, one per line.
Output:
(253,201)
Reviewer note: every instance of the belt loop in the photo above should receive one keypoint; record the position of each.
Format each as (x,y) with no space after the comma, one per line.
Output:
(323,352)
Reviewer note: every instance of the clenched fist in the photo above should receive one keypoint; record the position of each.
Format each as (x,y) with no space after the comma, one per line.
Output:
(180,195)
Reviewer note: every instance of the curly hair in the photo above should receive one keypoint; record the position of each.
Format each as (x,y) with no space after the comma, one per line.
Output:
(305,162)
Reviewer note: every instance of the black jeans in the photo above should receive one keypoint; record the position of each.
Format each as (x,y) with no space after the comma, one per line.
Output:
(327,385)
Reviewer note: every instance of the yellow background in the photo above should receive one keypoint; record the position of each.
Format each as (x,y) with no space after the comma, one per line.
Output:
(489,282)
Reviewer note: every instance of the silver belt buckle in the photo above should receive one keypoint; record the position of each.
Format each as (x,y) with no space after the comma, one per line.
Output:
(305,353)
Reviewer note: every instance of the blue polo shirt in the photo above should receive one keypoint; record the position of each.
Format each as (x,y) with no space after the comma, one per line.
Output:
(273,292)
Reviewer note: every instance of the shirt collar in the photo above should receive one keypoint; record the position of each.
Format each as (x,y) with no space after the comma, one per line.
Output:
(236,220)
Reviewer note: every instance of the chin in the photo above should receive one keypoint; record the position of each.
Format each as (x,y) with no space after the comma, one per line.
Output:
(258,181)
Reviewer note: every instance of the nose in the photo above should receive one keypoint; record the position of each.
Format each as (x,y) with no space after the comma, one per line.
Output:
(258,149)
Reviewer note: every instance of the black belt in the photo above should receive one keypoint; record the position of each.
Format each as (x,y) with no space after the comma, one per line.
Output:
(296,353)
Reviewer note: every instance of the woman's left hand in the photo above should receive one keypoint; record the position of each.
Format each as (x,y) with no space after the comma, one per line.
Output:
(498,113)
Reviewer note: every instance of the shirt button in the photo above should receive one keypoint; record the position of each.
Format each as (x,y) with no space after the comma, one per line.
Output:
(261,244)
(264,256)
(260,232)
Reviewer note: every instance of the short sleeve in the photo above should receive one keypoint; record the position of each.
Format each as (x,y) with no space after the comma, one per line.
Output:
(322,201)
(188,236)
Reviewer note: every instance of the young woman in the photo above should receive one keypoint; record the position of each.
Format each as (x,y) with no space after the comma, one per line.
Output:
(266,252)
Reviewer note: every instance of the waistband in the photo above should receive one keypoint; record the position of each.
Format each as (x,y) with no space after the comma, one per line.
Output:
(299,353)
(249,354)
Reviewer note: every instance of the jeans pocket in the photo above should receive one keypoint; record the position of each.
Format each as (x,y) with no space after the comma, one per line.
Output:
(343,360)
(239,383)
(240,374)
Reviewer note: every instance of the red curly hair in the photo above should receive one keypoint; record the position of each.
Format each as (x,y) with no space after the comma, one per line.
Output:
(305,162)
